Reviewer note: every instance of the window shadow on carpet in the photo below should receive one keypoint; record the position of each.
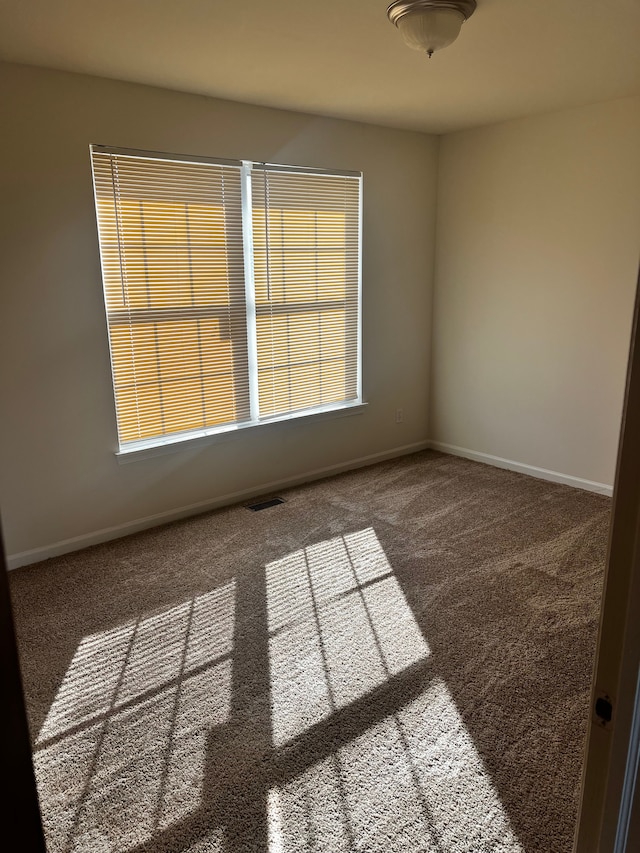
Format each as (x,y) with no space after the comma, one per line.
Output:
(299,708)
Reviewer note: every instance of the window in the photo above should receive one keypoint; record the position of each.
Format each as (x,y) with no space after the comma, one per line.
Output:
(232,292)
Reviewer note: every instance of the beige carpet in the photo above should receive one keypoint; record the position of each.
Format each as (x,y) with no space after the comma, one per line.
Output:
(395,659)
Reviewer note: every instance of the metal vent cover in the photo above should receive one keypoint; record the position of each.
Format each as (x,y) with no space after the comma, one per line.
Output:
(265,504)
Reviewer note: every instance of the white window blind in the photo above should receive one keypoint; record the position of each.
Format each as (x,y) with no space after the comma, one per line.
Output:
(306,254)
(232,292)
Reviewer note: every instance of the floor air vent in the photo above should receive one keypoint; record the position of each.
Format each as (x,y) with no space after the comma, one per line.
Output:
(265,504)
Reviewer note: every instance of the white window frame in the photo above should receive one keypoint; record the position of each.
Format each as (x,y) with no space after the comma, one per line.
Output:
(171,442)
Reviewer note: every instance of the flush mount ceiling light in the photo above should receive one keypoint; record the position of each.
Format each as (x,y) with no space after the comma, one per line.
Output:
(430,25)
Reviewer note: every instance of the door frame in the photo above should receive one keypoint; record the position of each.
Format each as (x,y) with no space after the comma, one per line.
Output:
(609,815)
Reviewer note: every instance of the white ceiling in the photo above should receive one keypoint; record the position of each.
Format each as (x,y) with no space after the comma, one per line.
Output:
(342,57)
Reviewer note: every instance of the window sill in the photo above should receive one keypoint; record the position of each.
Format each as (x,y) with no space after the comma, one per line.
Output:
(192,442)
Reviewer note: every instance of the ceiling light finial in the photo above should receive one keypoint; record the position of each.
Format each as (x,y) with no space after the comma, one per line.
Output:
(430,25)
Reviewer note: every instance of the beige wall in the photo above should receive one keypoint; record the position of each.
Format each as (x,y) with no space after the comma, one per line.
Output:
(59,476)
(538,240)
(538,244)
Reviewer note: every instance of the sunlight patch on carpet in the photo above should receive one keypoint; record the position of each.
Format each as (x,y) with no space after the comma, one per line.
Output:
(413,775)
(126,751)
(339,626)
(125,738)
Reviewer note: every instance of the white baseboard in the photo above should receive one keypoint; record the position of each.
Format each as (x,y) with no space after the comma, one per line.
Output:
(65,546)
(520,467)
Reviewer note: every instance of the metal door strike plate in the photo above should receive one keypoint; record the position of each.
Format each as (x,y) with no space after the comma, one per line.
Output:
(603,711)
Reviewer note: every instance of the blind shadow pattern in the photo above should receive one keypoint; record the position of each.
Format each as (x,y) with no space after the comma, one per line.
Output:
(250,719)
